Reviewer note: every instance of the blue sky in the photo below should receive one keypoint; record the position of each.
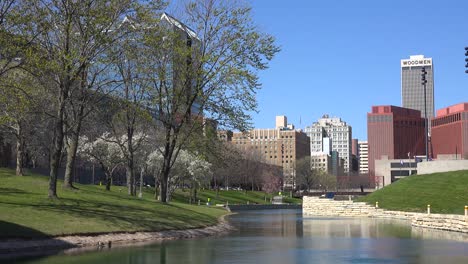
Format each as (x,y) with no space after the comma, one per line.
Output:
(341,57)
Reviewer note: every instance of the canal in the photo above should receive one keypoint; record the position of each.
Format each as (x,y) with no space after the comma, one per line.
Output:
(284,236)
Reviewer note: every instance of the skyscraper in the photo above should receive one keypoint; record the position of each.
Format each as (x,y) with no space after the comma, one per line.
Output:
(412,91)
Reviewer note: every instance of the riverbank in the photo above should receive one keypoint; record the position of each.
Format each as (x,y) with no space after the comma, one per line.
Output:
(12,248)
(27,213)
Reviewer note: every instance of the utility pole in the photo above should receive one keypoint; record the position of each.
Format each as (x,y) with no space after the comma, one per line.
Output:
(424,82)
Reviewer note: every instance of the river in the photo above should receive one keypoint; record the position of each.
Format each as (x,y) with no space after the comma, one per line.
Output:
(284,236)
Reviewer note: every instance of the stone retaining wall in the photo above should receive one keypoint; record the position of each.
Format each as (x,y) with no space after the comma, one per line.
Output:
(315,206)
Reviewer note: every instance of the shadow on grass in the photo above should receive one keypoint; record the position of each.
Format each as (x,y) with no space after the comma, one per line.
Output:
(12,230)
(11,191)
(150,216)
(20,243)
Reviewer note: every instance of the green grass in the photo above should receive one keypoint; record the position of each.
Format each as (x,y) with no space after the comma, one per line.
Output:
(25,210)
(447,193)
(233,197)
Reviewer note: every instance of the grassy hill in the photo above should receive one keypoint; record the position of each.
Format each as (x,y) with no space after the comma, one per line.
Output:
(25,210)
(447,193)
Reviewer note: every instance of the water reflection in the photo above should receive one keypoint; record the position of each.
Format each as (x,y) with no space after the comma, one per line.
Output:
(283,236)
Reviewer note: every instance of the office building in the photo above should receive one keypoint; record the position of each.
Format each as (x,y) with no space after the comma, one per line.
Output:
(339,133)
(363,157)
(412,91)
(281,146)
(321,161)
(450,132)
(394,132)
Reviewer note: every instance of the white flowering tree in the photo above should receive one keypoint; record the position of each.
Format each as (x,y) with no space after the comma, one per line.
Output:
(187,167)
(200,174)
(103,151)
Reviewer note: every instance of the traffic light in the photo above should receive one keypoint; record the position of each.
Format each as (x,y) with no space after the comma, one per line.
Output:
(423,76)
(466,59)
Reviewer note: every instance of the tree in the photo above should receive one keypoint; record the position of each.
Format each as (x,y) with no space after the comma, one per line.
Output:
(305,175)
(211,69)
(69,38)
(271,179)
(200,174)
(103,151)
(191,168)
(16,110)
(327,181)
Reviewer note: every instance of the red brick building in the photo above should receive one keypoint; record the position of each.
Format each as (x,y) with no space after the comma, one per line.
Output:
(394,132)
(450,132)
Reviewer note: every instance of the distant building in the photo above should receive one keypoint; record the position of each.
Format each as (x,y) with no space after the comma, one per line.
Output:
(355,147)
(412,92)
(281,146)
(449,138)
(339,133)
(363,157)
(321,161)
(393,169)
(394,132)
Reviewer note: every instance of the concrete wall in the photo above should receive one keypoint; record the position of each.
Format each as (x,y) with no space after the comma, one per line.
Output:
(314,206)
(442,166)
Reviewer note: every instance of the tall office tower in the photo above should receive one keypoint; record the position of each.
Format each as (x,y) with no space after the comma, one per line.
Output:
(412,91)
(363,157)
(338,131)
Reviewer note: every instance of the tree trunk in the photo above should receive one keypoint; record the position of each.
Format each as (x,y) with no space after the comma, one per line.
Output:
(166,169)
(156,188)
(130,177)
(56,155)
(108,180)
(164,181)
(19,154)
(72,147)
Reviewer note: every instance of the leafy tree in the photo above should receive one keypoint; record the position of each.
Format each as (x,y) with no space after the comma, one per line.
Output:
(16,110)
(70,38)
(207,64)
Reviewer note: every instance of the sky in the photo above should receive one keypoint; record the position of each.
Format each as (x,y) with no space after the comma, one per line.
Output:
(340,57)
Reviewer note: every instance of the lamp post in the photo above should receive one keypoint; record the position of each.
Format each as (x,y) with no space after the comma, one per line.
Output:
(424,82)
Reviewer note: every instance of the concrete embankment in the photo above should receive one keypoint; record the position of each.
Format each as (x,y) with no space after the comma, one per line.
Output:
(244,207)
(314,206)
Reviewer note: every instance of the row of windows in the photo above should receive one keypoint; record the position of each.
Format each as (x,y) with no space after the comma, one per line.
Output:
(449,119)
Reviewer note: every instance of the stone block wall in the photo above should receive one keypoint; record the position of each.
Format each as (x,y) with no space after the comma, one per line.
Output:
(314,206)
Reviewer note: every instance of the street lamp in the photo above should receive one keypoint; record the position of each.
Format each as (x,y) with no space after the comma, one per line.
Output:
(424,82)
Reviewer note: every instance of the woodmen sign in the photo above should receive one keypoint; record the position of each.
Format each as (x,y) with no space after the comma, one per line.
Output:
(416,62)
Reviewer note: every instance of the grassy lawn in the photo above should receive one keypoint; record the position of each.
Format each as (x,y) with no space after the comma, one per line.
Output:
(447,193)
(25,210)
(233,197)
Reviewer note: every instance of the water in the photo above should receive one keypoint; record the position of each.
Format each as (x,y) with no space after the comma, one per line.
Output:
(283,236)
